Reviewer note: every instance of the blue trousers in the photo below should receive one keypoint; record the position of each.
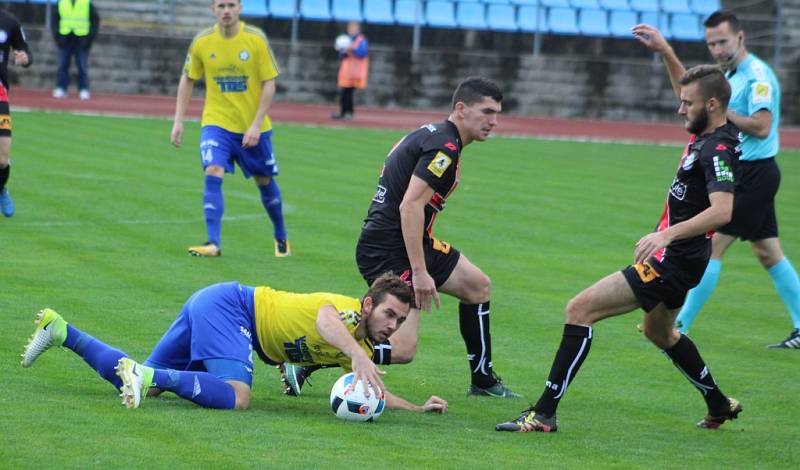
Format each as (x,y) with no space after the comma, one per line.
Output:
(79,48)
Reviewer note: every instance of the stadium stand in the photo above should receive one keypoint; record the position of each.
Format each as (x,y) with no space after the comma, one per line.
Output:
(593,22)
(282,9)
(471,15)
(440,14)
(315,10)
(676,6)
(378,12)
(621,21)
(562,20)
(501,17)
(644,5)
(405,13)
(254,8)
(346,10)
(686,27)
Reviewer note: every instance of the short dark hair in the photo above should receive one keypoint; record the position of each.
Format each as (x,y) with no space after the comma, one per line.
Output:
(712,82)
(474,89)
(722,16)
(390,283)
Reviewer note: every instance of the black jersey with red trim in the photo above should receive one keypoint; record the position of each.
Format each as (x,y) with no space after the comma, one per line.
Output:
(431,153)
(11,37)
(707,166)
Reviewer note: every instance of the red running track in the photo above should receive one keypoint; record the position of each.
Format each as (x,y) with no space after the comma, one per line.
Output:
(380,118)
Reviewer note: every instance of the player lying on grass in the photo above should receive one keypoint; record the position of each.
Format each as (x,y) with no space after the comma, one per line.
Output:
(667,262)
(206,356)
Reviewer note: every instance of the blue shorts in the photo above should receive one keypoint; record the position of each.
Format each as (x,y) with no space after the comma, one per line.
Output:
(214,332)
(223,148)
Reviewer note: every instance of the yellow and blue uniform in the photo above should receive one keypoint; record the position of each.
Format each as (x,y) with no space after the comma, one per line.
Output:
(234,70)
(221,325)
(285,324)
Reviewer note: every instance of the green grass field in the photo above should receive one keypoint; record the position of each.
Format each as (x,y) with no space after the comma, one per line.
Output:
(105,211)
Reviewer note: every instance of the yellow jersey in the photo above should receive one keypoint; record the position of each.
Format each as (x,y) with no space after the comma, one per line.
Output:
(286,326)
(234,70)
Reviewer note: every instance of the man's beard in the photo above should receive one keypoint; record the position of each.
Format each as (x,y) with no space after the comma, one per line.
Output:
(699,124)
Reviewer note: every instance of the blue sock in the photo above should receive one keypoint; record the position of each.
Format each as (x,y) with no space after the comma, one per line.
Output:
(102,357)
(213,207)
(699,295)
(786,283)
(271,198)
(201,388)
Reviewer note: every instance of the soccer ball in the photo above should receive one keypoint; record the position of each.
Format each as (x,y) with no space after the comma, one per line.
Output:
(351,404)
(342,42)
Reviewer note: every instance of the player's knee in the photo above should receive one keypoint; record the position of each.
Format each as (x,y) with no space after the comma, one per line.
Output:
(404,353)
(767,257)
(242,400)
(663,338)
(480,290)
(215,170)
(576,311)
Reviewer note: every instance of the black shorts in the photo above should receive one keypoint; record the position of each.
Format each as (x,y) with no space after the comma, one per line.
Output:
(440,259)
(654,282)
(5,119)
(753,216)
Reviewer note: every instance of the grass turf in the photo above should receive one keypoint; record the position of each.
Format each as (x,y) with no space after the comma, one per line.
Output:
(106,208)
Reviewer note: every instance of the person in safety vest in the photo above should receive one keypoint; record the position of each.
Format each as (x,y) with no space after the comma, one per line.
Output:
(353,70)
(75,24)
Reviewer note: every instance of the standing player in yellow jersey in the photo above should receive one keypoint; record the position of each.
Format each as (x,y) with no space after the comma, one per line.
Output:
(206,356)
(239,71)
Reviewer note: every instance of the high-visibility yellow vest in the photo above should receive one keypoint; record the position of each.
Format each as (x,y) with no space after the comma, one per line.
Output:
(74,17)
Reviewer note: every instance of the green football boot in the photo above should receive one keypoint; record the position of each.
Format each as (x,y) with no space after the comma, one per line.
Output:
(51,330)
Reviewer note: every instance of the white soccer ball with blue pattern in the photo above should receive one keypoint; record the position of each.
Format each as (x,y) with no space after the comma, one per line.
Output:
(350,404)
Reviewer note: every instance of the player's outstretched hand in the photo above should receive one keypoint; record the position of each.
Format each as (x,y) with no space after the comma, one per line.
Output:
(368,373)
(176,137)
(425,291)
(650,37)
(435,405)
(649,244)
(251,137)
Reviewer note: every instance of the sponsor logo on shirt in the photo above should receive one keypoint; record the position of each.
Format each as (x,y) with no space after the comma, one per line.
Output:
(722,170)
(688,161)
(244,55)
(760,92)
(380,195)
(678,189)
(440,163)
(232,84)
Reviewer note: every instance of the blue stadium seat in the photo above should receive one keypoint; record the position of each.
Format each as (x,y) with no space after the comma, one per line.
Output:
(660,21)
(615,4)
(501,17)
(282,8)
(676,6)
(562,21)
(554,3)
(644,5)
(704,7)
(315,10)
(530,18)
(496,1)
(257,8)
(525,2)
(470,15)
(621,22)
(440,14)
(686,27)
(346,10)
(405,12)
(378,11)
(584,3)
(593,22)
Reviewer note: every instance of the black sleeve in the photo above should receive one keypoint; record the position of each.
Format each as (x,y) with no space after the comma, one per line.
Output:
(18,42)
(437,163)
(717,161)
(94,22)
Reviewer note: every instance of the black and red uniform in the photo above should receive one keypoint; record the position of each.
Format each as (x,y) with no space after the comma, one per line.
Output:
(431,153)
(707,166)
(11,37)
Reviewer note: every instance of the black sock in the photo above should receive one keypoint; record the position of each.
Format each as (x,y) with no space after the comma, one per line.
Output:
(473,321)
(571,353)
(687,359)
(4,173)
